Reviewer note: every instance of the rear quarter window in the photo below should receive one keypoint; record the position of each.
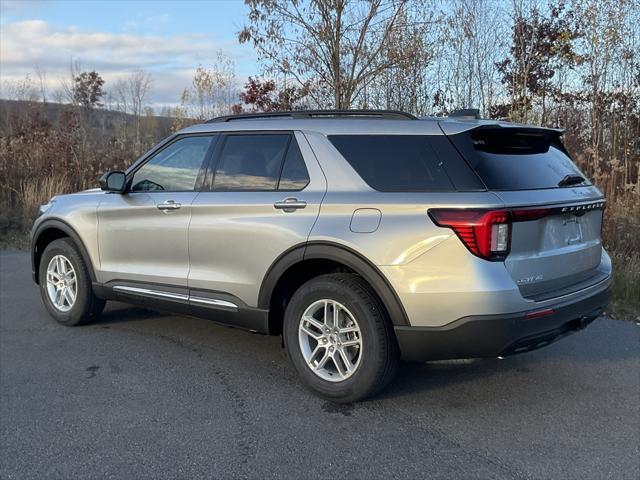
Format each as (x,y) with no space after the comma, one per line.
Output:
(396,163)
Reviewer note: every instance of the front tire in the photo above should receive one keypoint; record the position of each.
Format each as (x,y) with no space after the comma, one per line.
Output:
(65,285)
(339,338)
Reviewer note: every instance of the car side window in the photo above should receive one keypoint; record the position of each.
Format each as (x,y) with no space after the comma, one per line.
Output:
(175,168)
(250,162)
(394,163)
(294,174)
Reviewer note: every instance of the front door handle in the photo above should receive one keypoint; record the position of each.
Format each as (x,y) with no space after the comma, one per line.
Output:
(169,205)
(290,204)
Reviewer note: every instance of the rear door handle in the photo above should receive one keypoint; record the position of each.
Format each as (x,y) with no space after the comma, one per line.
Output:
(169,205)
(290,204)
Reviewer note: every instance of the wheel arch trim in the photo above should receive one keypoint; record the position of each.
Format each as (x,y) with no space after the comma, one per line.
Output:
(57,224)
(323,250)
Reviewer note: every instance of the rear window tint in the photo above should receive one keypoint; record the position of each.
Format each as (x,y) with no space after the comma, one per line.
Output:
(394,163)
(250,162)
(294,174)
(516,159)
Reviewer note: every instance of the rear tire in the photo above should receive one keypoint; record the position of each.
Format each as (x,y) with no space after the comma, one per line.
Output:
(65,285)
(349,361)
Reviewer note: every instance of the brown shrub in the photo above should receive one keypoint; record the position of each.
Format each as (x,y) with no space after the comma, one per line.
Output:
(621,237)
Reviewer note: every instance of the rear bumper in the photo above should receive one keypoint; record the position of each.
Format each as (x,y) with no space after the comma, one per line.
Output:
(498,335)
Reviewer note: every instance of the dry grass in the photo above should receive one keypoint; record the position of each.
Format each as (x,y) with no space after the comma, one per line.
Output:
(621,235)
(34,193)
(626,292)
(15,223)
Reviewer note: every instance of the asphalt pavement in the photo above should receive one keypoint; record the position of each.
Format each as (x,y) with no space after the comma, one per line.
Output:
(142,394)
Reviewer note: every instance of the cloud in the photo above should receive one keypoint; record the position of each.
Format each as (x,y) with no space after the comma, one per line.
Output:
(171,59)
(35,41)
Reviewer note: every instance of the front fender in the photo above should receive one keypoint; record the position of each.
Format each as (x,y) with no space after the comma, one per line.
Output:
(49,229)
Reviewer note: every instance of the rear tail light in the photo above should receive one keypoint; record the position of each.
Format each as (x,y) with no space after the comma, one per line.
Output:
(486,233)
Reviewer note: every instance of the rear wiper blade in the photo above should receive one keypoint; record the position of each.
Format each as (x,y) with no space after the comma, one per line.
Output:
(570,180)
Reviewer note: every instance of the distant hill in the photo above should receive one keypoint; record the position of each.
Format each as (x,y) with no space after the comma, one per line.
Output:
(106,121)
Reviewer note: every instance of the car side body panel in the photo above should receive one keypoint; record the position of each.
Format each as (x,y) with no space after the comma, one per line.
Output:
(235,236)
(137,241)
(76,215)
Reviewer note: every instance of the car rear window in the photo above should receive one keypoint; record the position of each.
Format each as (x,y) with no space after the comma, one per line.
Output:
(398,163)
(517,159)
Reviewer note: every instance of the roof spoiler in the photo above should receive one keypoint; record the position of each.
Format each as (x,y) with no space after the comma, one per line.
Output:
(453,128)
(466,113)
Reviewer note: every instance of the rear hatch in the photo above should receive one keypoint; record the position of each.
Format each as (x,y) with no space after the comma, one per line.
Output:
(555,246)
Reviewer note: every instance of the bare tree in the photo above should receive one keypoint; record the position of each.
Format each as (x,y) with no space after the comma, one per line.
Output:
(117,99)
(66,92)
(42,83)
(611,81)
(338,45)
(213,91)
(128,95)
(24,89)
(405,85)
(471,40)
(81,87)
(139,85)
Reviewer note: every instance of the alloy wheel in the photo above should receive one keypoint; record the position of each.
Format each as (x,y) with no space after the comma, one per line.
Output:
(330,340)
(62,285)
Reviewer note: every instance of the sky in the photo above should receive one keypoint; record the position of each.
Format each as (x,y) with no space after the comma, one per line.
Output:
(169,39)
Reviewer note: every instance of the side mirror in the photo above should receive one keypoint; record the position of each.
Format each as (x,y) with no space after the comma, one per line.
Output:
(113,181)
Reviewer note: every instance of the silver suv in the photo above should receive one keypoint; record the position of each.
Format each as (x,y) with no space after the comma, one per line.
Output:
(361,237)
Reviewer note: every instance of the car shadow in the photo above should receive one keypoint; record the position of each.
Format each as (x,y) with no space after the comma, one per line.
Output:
(123,313)
(582,351)
(417,378)
(412,378)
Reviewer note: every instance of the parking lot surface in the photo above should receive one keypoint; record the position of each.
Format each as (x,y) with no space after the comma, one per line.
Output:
(143,394)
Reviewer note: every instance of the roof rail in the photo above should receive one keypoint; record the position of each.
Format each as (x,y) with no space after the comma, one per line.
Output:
(309,114)
(469,113)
